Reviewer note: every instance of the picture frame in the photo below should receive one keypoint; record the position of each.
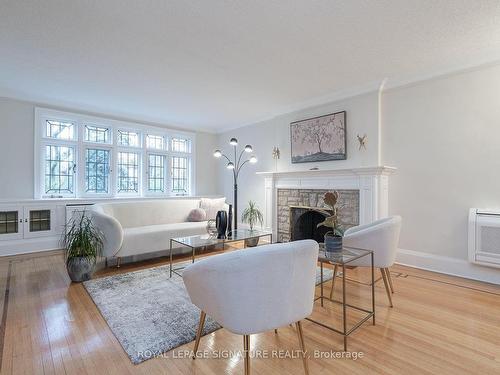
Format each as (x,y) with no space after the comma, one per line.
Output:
(321,138)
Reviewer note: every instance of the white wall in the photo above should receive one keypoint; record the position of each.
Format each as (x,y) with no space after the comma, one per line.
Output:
(443,135)
(16,152)
(362,118)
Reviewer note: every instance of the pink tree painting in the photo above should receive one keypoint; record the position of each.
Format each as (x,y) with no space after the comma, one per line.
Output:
(319,139)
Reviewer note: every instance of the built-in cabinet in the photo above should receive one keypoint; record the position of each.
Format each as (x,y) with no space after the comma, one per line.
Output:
(30,221)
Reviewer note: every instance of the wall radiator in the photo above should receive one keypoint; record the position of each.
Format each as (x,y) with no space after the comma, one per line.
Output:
(484,237)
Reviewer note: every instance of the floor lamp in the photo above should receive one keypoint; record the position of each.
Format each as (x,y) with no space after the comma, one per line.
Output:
(236,164)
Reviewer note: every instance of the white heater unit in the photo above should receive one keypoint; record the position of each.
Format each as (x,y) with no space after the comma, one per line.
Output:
(484,237)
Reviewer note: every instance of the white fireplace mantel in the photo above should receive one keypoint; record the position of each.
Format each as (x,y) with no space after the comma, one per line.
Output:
(372,183)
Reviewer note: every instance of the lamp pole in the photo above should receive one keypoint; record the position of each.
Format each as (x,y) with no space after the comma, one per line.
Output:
(235,165)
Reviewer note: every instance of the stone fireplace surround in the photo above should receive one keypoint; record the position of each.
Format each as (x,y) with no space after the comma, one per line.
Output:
(371,184)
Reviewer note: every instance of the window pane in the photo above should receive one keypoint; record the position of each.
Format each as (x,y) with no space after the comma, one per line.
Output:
(155,141)
(39,220)
(96,134)
(156,173)
(180,175)
(126,138)
(8,222)
(97,171)
(59,170)
(181,145)
(60,130)
(128,172)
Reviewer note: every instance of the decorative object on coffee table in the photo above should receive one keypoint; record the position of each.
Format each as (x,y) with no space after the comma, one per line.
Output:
(235,165)
(212,228)
(83,243)
(252,215)
(333,238)
(320,138)
(221,223)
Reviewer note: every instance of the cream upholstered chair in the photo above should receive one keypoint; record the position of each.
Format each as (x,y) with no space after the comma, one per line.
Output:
(256,290)
(380,236)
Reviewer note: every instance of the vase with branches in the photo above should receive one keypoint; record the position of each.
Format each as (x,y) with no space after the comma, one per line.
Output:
(83,242)
(333,238)
(252,215)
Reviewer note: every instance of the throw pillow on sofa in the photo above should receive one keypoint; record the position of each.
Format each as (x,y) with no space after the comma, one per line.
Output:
(197,214)
(211,206)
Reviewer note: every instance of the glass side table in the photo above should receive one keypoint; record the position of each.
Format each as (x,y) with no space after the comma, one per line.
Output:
(342,259)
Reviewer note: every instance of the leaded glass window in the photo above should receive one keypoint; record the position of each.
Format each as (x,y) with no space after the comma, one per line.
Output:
(59,169)
(156,173)
(97,171)
(39,220)
(8,222)
(128,172)
(128,138)
(155,141)
(181,145)
(180,175)
(96,134)
(60,130)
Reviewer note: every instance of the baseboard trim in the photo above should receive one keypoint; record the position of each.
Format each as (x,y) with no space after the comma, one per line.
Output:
(448,266)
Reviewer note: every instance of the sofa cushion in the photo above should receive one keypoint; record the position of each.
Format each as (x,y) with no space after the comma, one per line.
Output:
(147,239)
(212,206)
(197,214)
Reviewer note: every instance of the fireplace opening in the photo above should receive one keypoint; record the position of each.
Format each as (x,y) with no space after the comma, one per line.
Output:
(304,224)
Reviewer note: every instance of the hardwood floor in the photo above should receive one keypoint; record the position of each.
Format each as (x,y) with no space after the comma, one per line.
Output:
(439,325)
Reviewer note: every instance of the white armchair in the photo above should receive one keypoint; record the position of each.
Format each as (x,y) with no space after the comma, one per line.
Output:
(380,236)
(252,291)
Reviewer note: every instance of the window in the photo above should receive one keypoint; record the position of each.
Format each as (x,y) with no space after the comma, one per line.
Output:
(96,134)
(181,145)
(128,172)
(59,130)
(156,173)
(81,156)
(97,171)
(8,222)
(59,169)
(39,220)
(180,175)
(155,142)
(127,138)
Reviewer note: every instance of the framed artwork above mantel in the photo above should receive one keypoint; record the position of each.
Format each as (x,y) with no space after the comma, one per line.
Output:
(321,138)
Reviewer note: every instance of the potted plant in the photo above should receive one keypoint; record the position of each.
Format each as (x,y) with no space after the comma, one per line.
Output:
(333,238)
(252,215)
(83,244)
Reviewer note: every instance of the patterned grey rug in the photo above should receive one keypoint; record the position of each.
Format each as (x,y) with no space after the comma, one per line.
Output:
(150,313)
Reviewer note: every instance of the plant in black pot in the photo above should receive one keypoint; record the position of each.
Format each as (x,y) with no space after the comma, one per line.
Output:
(252,215)
(333,238)
(83,243)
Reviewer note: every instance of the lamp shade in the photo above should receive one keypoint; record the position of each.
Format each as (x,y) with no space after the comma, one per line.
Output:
(248,148)
(217,153)
(230,165)
(253,159)
(233,142)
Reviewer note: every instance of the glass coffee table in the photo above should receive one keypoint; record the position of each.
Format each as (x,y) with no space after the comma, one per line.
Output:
(342,259)
(204,240)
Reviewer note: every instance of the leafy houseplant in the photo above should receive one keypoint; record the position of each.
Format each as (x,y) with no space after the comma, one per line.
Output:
(252,215)
(83,243)
(333,238)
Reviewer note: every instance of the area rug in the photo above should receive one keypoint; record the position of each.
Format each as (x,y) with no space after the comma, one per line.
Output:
(150,313)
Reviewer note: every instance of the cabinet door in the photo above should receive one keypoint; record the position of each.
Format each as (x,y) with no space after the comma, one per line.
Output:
(11,222)
(39,221)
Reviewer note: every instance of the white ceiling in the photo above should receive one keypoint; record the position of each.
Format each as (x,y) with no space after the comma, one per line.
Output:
(213,64)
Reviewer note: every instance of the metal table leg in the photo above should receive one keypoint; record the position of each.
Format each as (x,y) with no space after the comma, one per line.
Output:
(373,289)
(321,282)
(344,320)
(193,255)
(170,258)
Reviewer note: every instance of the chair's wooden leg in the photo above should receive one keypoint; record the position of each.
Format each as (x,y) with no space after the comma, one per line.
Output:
(302,347)
(389,278)
(333,281)
(276,330)
(118,262)
(246,349)
(198,333)
(386,283)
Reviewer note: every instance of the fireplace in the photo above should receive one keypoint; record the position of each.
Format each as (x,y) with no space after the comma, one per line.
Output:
(304,224)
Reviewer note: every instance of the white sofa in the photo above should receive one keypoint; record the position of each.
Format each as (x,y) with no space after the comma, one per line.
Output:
(139,227)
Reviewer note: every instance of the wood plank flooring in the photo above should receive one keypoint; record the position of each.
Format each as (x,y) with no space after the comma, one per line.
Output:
(439,325)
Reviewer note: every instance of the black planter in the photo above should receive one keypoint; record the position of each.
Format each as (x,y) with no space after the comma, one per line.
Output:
(80,269)
(333,244)
(221,223)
